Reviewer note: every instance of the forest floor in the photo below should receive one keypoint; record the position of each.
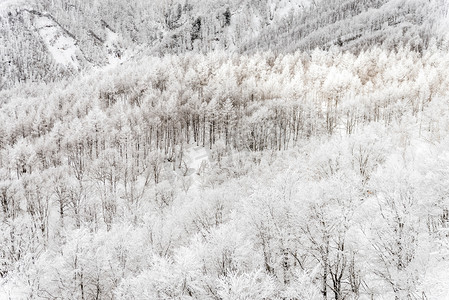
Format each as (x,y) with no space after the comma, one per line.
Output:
(197,159)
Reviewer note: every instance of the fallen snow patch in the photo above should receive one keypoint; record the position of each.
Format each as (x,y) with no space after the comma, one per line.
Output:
(62,47)
(8,5)
(111,41)
(197,158)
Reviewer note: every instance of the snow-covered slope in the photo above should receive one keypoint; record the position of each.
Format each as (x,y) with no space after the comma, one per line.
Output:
(64,38)
(61,46)
(8,5)
(197,158)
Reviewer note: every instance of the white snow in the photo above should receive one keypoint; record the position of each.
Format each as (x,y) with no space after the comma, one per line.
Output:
(111,44)
(62,47)
(282,8)
(197,157)
(7,5)
(12,289)
(443,22)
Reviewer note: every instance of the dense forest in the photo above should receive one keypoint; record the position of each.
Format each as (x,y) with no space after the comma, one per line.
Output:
(233,150)
(325,176)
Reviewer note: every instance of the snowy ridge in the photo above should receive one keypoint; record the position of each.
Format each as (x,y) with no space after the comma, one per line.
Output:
(202,26)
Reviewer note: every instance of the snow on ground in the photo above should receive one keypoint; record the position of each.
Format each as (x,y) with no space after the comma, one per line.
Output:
(196,157)
(111,44)
(8,5)
(12,290)
(62,47)
(282,8)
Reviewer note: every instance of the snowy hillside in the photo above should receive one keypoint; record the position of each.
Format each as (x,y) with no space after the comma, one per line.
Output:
(162,27)
(224,150)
